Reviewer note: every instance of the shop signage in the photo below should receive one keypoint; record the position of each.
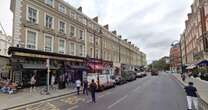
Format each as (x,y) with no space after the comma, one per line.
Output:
(45,56)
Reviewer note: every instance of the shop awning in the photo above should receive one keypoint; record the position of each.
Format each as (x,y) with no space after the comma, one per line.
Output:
(204,62)
(79,67)
(191,66)
(37,66)
(96,66)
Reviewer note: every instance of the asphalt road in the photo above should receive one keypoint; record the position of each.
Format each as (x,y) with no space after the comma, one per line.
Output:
(150,93)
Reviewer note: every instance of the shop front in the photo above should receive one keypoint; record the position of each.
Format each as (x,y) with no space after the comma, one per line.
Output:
(25,63)
(100,66)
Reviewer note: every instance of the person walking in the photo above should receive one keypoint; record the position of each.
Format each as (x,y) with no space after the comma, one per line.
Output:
(191,92)
(32,82)
(85,87)
(183,77)
(53,79)
(78,85)
(93,88)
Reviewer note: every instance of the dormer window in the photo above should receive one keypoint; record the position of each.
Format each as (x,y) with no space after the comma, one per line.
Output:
(62,8)
(50,2)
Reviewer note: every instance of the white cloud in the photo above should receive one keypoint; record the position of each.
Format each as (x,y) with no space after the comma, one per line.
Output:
(6,16)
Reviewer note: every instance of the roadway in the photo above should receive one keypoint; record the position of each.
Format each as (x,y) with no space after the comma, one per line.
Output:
(150,93)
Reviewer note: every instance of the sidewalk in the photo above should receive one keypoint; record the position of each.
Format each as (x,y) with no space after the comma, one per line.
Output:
(23,97)
(202,86)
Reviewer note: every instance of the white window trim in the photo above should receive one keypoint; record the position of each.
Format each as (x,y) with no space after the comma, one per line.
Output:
(64,8)
(75,32)
(74,49)
(64,45)
(52,41)
(53,5)
(26,30)
(45,19)
(29,6)
(59,25)
(83,33)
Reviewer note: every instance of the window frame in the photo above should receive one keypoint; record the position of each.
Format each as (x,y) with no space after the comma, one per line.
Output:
(47,14)
(74,49)
(52,38)
(26,38)
(64,45)
(59,8)
(53,3)
(81,37)
(59,26)
(27,13)
(74,30)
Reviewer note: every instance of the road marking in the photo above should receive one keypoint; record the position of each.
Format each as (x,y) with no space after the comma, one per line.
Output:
(74,107)
(103,95)
(118,101)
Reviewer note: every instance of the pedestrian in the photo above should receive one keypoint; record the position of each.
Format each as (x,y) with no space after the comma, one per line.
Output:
(85,87)
(191,92)
(53,79)
(93,88)
(32,83)
(183,76)
(78,85)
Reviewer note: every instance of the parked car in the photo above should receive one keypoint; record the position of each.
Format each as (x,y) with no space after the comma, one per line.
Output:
(129,75)
(119,80)
(154,73)
(144,74)
(139,75)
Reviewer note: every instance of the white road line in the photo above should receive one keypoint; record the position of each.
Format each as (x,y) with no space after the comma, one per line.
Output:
(74,107)
(101,96)
(118,101)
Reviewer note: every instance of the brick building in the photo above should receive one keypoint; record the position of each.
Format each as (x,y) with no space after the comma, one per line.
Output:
(194,39)
(175,63)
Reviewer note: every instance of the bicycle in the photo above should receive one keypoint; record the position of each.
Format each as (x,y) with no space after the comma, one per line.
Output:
(44,91)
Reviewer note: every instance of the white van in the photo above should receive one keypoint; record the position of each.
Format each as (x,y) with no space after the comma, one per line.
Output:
(105,80)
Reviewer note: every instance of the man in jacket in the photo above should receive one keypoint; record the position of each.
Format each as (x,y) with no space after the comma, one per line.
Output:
(191,92)
(93,88)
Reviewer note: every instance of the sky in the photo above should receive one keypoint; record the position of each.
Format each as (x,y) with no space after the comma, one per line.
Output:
(152,25)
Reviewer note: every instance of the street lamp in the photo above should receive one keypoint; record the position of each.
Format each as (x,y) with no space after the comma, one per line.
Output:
(180,46)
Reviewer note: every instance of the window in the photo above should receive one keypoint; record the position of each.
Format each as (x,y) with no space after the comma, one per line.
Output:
(80,18)
(73,15)
(96,53)
(81,50)
(62,8)
(81,34)
(91,52)
(72,49)
(72,30)
(48,43)
(62,26)
(96,41)
(50,2)
(48,21)
(61,48)
(85,21)
(32,15)
(31,39)
(91,38)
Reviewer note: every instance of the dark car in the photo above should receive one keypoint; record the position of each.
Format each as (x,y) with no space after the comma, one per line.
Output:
(129,75)
(154,73)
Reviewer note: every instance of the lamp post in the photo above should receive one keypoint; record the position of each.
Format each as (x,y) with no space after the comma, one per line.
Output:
(174,43)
